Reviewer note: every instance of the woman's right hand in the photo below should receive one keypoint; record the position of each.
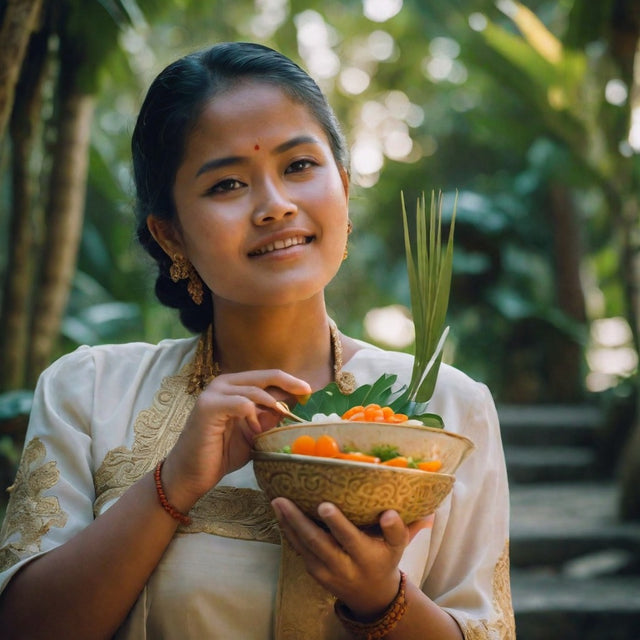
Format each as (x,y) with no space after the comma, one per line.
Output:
(218,435)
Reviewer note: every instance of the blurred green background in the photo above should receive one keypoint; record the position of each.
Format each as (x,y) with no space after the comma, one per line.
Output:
(530,112)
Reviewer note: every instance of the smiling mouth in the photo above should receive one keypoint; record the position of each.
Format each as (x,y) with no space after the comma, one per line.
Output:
(281,244)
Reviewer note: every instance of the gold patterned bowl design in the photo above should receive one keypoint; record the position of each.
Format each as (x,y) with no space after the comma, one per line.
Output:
(361,490)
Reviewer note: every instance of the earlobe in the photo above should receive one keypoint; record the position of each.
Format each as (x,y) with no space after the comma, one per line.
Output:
(165,234)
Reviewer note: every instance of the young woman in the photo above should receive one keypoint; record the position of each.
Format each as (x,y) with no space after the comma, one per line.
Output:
(135,512)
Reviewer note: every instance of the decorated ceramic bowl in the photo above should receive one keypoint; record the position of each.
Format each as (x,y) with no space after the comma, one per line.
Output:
(361,490)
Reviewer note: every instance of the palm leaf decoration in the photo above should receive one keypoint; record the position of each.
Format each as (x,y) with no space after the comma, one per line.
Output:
(429,267)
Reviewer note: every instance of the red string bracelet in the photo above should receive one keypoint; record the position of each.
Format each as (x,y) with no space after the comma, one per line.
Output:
(166,505)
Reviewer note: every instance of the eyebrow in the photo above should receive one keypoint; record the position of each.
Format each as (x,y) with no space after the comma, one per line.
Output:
(220,162)
(217,163)
(294,142)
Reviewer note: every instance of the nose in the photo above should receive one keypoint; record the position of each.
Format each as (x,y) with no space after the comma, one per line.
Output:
(273,203)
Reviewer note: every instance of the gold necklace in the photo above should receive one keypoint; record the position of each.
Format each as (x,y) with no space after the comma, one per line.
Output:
(205,368)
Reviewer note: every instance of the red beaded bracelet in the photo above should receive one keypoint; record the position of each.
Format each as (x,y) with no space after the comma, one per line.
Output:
(166,505)
(378,628)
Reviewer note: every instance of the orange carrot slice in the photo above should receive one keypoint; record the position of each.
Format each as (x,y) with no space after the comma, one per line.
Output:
(398,461)
(430,465)
(347,415)
(304,445)
(326,446)
(356,456)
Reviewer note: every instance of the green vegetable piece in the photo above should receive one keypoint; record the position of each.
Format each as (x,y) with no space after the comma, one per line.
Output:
(385,452)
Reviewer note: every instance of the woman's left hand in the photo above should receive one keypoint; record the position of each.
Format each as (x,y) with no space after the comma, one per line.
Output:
(359,568)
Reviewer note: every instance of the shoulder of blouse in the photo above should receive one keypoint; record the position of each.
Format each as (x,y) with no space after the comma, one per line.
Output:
(118,355)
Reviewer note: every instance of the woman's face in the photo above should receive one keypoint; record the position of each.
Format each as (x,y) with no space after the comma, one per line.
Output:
(262,205)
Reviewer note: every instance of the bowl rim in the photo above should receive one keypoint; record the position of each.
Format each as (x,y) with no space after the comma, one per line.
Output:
(275,456)
(416,427)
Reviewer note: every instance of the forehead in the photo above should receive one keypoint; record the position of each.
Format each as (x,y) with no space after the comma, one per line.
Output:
(254,107)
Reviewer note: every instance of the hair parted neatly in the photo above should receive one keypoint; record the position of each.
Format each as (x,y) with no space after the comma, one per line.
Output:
(168,114)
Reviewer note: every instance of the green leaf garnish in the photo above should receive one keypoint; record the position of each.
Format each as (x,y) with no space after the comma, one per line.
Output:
(331,400)
(385,452)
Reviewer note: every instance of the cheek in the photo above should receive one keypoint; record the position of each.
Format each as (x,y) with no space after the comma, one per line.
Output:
(209,250)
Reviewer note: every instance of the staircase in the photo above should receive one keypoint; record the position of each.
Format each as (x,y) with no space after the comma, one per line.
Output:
(575,568)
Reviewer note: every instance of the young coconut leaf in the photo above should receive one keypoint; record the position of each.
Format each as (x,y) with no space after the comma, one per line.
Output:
(429,268)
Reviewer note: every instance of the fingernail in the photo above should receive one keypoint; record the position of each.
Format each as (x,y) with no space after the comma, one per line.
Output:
(325,509)
(277,509)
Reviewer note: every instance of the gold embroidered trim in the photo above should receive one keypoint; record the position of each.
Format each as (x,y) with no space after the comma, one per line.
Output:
(304,609)
(30,515)
(155,432)
(225,511)
(234,512)
(502,626)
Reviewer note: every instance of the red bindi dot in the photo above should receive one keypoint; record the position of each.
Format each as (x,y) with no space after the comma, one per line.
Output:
(257,147)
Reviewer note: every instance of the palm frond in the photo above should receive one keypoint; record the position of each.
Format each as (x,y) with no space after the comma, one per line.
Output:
(429,267)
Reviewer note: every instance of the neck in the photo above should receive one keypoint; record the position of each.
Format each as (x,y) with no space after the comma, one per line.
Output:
(295,339)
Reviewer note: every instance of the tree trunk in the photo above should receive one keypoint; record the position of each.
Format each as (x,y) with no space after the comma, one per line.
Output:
(566,364)
(25,129)
(20,19)
(64,216)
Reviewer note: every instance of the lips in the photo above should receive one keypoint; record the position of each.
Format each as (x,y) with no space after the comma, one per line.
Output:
(277,245)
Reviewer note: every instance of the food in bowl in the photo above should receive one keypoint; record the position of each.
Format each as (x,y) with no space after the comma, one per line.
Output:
(326,446)
(362,490)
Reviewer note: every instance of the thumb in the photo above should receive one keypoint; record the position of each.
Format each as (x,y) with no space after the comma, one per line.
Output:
(394,530)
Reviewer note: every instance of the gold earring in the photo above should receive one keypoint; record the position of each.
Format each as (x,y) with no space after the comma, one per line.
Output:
(182,269)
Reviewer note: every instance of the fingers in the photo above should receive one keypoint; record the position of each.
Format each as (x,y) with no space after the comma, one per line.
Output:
(318,549)
(244,395)
(230,411)
(394,532)
(344,536)
(266,380)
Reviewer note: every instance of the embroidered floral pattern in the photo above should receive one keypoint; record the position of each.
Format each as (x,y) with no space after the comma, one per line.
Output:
(30,515)
(225,511)
(156,430)
(502,626)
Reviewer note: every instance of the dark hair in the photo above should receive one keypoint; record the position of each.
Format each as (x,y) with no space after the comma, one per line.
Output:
(168,114)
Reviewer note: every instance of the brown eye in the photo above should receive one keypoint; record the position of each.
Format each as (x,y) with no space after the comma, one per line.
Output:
(226,185)
(300,165)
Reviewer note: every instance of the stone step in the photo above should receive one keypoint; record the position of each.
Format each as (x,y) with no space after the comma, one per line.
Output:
(556,463)
(556,607)
(550,424)
(552,524)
